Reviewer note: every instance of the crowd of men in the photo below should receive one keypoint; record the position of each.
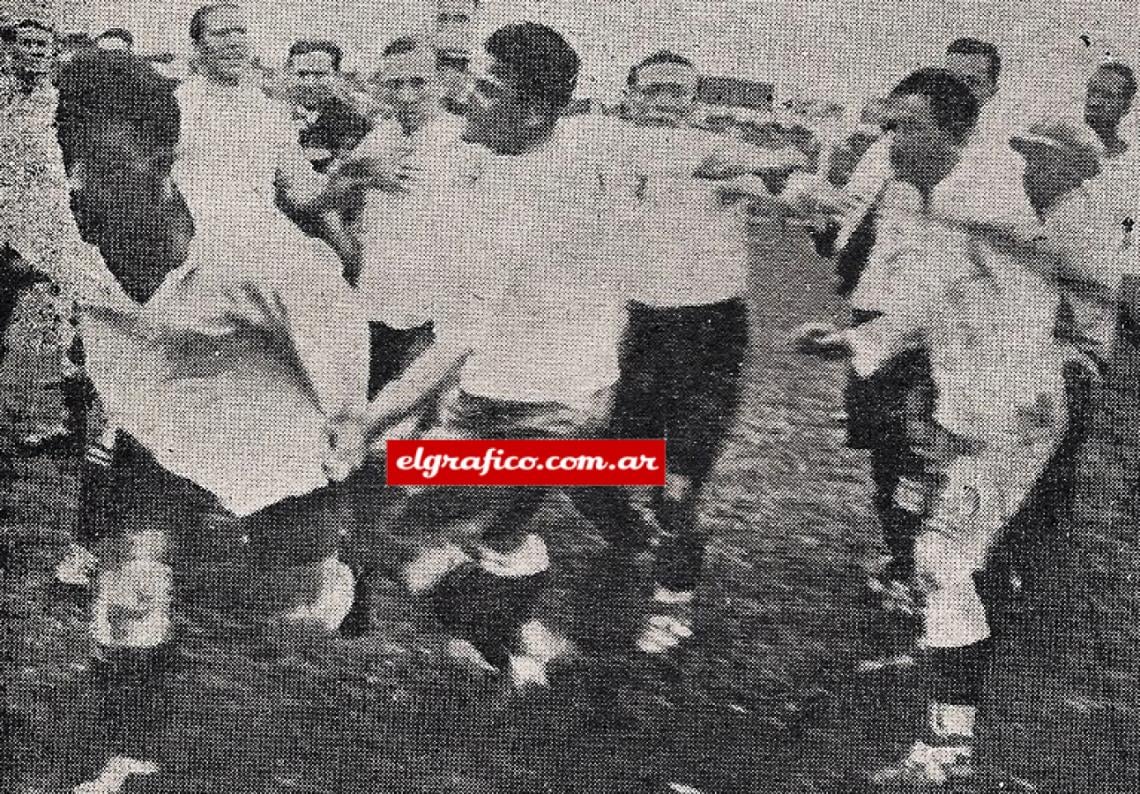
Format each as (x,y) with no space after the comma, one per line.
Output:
(266,287)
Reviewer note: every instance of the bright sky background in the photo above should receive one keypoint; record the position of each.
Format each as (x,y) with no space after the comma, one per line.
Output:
(841,49)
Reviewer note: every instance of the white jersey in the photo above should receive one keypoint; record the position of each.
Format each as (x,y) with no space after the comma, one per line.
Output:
(234,141)
(543,310)
(403,234)
(689,247)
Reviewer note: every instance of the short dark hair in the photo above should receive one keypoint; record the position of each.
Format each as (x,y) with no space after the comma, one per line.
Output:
(952,103)
(331,48)
(1125,72)
(101,85)
(969,46)
(117,33)
(401,46)
(198,21)
(543,63)
(659,57)
(29,22)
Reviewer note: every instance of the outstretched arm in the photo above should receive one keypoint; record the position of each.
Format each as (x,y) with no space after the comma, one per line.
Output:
(747,159)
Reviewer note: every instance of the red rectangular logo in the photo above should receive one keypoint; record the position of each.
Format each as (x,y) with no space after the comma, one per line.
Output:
(541,462)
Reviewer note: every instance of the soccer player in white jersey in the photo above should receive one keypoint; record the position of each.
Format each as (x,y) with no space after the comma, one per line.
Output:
(688,319)
(399,271)
(256,332)
(414,157)
(532,327)
(957,272)
(876,411)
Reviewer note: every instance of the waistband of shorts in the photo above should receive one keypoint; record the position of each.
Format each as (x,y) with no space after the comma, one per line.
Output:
(731,306)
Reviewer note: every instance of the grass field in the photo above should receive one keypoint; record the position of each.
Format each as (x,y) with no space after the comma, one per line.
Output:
(770,700)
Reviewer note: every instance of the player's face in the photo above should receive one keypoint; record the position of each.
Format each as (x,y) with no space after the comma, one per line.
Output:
(499,115)
(1106,100)
(922,153)
(125,201)
(663,100)
(409,85)
(411,98)
(121,166)
(974,70)
(33,50)
(312,75)
(224,49)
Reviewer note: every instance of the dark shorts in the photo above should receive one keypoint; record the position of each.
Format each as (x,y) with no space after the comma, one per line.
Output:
(681,380)
(200,534)
(885,407)
(392,350)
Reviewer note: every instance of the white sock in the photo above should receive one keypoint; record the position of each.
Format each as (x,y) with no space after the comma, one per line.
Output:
(950,720)
(666,596)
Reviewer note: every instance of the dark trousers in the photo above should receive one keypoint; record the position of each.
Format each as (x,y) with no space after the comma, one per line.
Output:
(16,277)
(681,381)
(890,414)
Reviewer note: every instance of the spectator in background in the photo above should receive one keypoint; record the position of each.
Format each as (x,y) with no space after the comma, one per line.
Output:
(73,42)
(978,64)
(1093,220)
(38,240)
(330,126)
(395,277)
(1108,99)
(455,20)
(115,39)
(417,154)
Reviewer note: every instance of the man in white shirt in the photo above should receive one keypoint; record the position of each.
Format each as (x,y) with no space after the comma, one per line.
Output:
(256,332)
(222,364)
(227,122)
(978,63)
(985,318)
(399,269)
(684,350)
(405,231)
(876,413)
(530,327)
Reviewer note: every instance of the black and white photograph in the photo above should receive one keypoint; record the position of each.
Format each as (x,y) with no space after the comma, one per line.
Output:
(554,397)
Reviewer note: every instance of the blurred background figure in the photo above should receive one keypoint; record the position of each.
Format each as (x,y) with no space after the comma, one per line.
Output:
(1108,99)
(115,39)
(72,42)
(330,126)
(38,242)
(454,33)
